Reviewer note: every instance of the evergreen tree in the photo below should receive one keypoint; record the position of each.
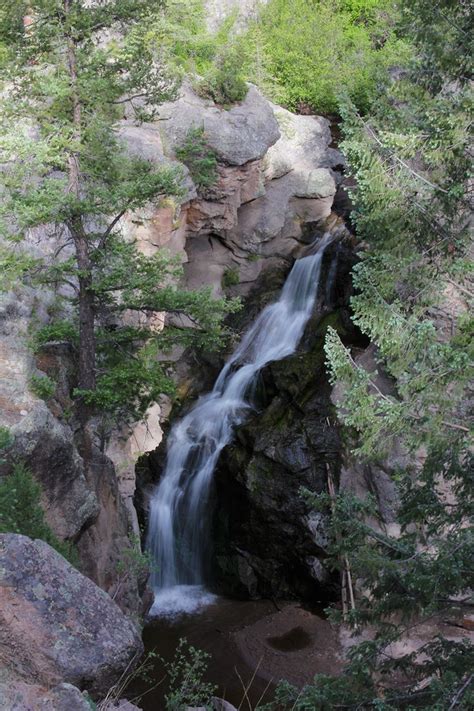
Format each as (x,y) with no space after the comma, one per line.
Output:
(411,159)
(72,67)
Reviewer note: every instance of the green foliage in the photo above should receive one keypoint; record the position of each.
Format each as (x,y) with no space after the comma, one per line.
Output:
(90,701)
(21,512)
(5,437)
(132,371)
(412,167)
(73,173)
(43,386)
(186,674)
(199,157)
(231,277)
(11,26)
(215,60)
(224,82)
(57,331)
(134,561)
(305,53)
(180,32)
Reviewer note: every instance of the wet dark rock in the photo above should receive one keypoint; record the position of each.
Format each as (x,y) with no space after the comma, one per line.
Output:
(268,542)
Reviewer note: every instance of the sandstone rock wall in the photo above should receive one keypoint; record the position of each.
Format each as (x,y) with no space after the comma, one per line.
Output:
(276,173)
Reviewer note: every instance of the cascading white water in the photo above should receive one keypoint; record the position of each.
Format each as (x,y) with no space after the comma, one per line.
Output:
(179,517)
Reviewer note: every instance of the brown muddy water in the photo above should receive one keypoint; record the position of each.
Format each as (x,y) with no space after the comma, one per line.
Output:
(252,644)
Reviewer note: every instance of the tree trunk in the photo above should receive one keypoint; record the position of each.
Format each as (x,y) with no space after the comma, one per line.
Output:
(87,345)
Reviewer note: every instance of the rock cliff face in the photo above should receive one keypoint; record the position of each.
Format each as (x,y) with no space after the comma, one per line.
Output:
(217,11)
(277,179)
(275,174)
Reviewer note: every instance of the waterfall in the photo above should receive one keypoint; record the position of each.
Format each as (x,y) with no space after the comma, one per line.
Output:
(178,533)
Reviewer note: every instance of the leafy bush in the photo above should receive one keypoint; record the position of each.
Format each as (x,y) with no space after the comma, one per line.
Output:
(186,678)
(43,386)
(55,331)
(225,82)
(5,437)
(230,277)
(201,160)
(307,52)
(20,511)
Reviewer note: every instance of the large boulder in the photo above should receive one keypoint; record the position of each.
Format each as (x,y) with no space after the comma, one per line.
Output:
(256,213)
(238,135)
(303,146)
(300,186)
(56,624)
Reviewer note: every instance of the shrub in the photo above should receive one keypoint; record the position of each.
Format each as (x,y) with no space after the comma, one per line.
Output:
(201,160)
(186,678)
(5,437)
(313,51)
(20,511)
(63,331)
(225,82)
(43,386)
(230,277)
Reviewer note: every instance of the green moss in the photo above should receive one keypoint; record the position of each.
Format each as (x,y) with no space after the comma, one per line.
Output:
(254,257)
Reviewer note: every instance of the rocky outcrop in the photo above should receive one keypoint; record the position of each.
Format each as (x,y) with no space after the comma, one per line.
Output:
(41,440)
(237,136)
(276,173)
(107,549)
(56,624)
(217,11)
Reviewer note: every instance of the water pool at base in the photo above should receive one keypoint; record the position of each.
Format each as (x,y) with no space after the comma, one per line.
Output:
(263,640)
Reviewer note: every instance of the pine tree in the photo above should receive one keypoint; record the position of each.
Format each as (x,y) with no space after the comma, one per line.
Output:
(72,66)
(412,162)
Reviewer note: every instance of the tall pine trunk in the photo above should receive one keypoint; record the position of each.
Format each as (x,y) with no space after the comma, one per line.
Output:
(87,344)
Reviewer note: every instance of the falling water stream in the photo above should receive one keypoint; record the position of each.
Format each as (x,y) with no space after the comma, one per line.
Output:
(178,534)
